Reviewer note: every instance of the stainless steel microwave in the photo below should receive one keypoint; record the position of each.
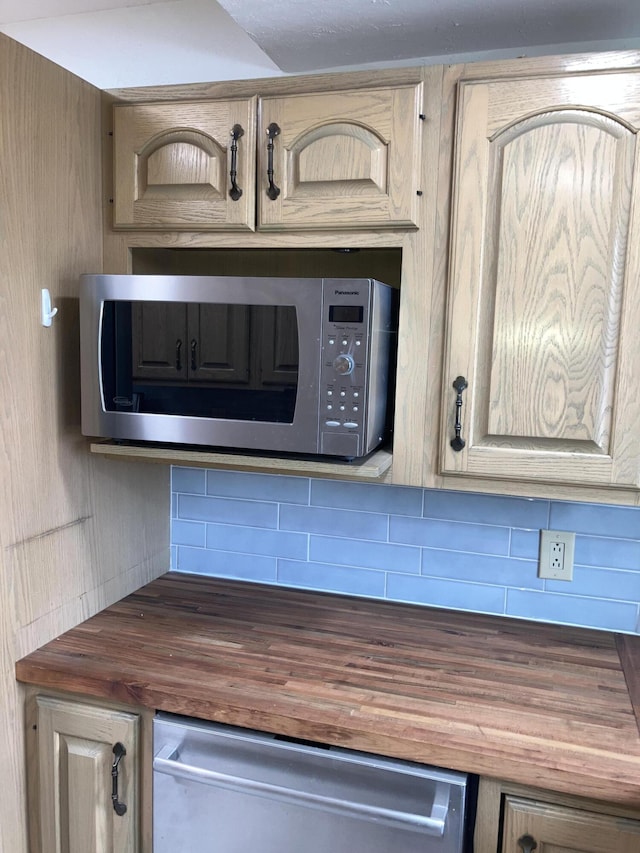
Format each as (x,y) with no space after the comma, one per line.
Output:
(262,364)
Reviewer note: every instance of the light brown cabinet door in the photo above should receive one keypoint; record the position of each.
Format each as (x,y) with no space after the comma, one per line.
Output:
(555,828)
(75,757)
(173,164)
(544,281)
(341,159)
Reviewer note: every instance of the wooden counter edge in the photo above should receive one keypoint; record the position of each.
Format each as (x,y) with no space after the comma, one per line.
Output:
(628,647)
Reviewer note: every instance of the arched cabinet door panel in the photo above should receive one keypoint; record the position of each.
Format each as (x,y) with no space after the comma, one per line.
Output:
(544,278)
(180,166)
(340,159)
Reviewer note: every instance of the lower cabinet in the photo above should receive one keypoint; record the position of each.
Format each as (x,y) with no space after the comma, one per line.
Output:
(530,825)
(513,819)
(85,778)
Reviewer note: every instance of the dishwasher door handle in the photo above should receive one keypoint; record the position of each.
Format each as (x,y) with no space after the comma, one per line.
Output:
(434,824)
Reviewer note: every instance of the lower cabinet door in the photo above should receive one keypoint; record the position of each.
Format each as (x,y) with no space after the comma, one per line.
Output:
(88,778)
(535,826)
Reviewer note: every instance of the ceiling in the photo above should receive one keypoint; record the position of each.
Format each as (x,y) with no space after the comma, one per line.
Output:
(119,43)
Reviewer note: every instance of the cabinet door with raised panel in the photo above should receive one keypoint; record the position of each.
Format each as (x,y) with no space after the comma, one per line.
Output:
(340,159)
(530,826)
(185,166)
(544,282)
(77,812)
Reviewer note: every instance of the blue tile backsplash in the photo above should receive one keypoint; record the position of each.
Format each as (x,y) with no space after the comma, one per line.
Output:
(446,549)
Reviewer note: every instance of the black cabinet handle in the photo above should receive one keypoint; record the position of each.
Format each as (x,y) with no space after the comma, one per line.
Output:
(119,752)
(527,844)
(457,443)
(178,354)
(272,190)
(194,347)
(236,132)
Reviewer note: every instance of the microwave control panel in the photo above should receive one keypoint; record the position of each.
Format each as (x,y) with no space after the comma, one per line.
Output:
(344,378)
(355,363)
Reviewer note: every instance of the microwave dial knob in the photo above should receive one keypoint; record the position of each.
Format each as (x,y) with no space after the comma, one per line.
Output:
(344,364)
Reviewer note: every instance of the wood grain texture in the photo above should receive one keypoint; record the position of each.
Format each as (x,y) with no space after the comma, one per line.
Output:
(172,163)
(372,467)
(629,651)
(346,159)
(75,755)
(542,280)
(536,704)
(579,811)
(557,828)
(75,532)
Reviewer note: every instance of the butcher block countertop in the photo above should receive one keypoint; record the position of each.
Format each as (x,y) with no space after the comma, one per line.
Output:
(537,704)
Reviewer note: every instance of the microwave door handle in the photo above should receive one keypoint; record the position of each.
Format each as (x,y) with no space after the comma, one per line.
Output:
(178,354)
(194,347)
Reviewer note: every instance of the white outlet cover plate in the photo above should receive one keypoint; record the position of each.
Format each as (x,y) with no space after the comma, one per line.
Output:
(547,539)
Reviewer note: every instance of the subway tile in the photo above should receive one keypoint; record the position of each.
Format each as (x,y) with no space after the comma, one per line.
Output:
(599,583)
(330,578)
(188,533)
(596,519)
(191,480)
(334,522)
(480,538)
(486,509)
(525,543)
(221,564)
(572,610)
(468,551)
(253,513)
(256,540)
(480,568)
(370,497)
(372,555)
(258,487)
(444,593)
(612,553)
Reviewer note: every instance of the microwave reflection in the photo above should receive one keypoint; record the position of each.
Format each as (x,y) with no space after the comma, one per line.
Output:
(236,362)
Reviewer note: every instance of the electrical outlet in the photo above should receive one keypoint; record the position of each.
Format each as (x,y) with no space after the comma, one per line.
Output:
(556,555)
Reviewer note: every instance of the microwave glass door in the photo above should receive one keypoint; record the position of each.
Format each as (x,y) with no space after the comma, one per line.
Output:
(201,359)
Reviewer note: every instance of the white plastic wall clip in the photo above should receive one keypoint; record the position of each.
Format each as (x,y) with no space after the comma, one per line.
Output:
(48,313)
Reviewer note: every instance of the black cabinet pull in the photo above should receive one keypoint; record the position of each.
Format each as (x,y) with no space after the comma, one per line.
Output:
(236,132)
(527,844)
(272,190)
(194,347)
(178,354)
(459,383)
(119,752)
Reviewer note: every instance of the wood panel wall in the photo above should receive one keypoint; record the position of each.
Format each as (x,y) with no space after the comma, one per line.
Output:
(77,532)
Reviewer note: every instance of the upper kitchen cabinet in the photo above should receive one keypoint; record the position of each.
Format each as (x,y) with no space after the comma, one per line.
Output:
(331,160)
(185,166)
(544,282)
(340,159)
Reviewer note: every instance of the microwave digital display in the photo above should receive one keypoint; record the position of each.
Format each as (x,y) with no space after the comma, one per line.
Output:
(346,313)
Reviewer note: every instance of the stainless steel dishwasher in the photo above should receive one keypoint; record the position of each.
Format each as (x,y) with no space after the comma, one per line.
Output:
(221,789)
